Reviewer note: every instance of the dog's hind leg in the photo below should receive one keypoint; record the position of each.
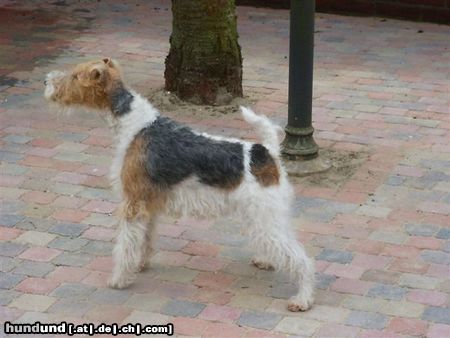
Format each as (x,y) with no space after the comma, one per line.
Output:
(147,247)
(262,262)
(274,240)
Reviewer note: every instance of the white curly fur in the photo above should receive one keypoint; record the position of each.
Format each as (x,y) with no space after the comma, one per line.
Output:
(263,211)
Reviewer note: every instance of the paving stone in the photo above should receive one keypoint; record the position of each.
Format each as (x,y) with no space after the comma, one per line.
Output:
(402,309)
(223,330)
(96,193)
(443,233)
(407,326)
(446,247)
(68,229)
(33,269)
(236,254)
(147,302)
(367,320)
(11,249)
(9,210)
(381,276)
(100,220)
(259,320)
(234,240)
(283,290)
(337,256)
(68,244)
(6,156)
(438,331)
(388,237)
(72,137)
(189,327)
(70,290)
(396,180)
(35,224)
(35,238)
(417,281)
(171,244)
(421,229)
(327,207)
(64,188)
(177,274)
(437,257)
(6,296)
(437,314)
(34,285)
(32,302)
(182,308)
(298,326)
(323,281)
(9,280)
(72,259)
(18,139)
(361,303)
(7,263)
(345,270)
(427,297)
(71,307)
(387,292)
(329,242)
(39,254)
(352,286)
(337,330)
(249,301)
(109,296)
(331,313)
(220,313)
(98,248)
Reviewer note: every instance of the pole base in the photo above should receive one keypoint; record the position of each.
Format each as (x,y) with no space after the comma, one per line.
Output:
(306,168)
(299,144)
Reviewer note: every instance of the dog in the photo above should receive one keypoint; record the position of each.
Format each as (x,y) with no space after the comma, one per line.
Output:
(161,166)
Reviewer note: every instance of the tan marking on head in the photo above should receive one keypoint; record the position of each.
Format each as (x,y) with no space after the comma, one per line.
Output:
(266,174)
(142,195)
(89,85)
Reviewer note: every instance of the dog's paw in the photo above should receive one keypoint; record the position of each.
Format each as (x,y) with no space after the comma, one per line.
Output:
(262,265)
(143,266)
(295,304)
(118,283)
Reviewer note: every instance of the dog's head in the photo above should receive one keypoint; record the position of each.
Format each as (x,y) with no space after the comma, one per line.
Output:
(90,84)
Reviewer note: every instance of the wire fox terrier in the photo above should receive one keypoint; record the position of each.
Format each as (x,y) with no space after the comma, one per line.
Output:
(161,167)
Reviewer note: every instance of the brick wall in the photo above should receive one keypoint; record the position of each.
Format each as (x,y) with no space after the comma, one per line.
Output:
(417,10)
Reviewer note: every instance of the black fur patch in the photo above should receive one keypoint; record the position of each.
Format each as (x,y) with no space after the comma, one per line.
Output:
(175,153)
(121,101)
(259,156)
(263,166)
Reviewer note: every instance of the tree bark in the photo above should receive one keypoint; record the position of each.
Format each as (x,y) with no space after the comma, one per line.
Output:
(204,64)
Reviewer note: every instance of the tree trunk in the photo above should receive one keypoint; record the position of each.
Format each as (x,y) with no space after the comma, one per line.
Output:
(204,65)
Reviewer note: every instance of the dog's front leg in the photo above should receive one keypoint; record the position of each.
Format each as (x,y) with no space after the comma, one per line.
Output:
(128,252)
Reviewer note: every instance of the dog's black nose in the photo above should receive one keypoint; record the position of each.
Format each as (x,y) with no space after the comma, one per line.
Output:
(45,82)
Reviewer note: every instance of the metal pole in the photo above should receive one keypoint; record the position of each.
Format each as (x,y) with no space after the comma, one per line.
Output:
(299,142)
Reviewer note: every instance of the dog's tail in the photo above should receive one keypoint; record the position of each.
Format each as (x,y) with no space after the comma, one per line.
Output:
(264,128)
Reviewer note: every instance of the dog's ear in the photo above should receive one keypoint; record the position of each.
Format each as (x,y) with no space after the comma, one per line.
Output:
(109,62)
(91,75)
(95,74)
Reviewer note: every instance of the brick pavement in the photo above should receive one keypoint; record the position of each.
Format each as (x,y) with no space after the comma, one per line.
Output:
(380,234)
